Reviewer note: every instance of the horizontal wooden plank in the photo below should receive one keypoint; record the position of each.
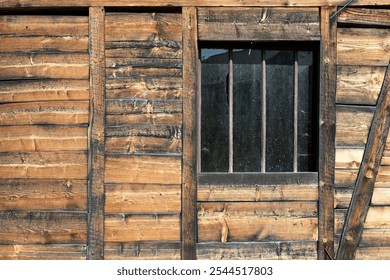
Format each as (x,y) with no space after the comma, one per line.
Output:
(140,90)
(257,221)
(378,217)
(47,90)
(44,44)
(375,237)
(28,194)
(381,197)
(36,59)
(137,106)
(179,3)
(365,16)
(43,138)
(42,228)
(345,177)
(369,45)
(45,165)
(359,84)
(142,251)
(373,253)
(143,169)
(145,83)
(143,26)
(128,228)
(143,145)
(129,71)
(43,252)
(162,63)
(126,198)
(142,119)
(353,124)
(144,49)
(304,250)
(56,112)
(349,158)
(258,24)
(41,25)
(154,131)
(258,193)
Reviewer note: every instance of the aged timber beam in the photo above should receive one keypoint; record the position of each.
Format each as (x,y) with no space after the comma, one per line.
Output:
(183,3)
(190,59)
(326,172)
(95,248)
(364,185)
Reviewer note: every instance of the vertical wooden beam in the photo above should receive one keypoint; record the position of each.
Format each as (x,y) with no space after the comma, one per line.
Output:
(364,185)
(327,131)
(190,60)
(96,135)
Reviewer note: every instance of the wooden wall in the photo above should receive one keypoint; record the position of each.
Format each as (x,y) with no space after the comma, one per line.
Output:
(45,133)
(44,109)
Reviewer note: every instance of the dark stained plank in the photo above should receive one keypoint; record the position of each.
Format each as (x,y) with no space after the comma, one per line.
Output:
(95,248)
(142,251)
(368,172)
(145,130)
(190,60)
(256,24)
(365,16)
(327,131)
(42,228)
(129,228)
(284,250)
(30,194)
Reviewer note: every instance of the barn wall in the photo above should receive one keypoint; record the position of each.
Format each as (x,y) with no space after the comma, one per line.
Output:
(44,110)
(45,134)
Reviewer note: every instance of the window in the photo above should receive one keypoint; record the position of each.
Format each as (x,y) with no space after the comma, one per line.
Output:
(258,109)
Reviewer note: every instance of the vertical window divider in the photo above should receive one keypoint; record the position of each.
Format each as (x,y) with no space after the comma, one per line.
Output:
(296,74)
(230,110)
(264,113)
(199,117)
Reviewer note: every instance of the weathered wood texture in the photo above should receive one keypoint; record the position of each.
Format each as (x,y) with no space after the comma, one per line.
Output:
(143,135)
(181,3)
(44,111)
(327,131)
(95,249)
(257,221)
(304,250)
(365,17)
(364,186)
(256,24)
(142,251)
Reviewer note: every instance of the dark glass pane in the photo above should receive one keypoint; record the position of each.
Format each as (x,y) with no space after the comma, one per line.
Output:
(214,110)
(306,113)
(280,111)
(247,110)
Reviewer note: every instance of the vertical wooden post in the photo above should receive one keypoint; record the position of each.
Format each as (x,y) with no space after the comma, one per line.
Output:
(190,60)
(364,185)
(96,135)
(327,131)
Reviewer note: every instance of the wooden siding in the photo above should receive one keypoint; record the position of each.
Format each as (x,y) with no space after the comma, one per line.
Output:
(143,119)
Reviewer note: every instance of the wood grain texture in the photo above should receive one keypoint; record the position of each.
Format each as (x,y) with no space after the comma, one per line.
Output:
(261,221)
(380,197)
(143,26)
(258,193)
(48,90)
(365,16)
(42,228)
(96,156)
(304,250)
(359,85)
(373,253)
(43,252)
(365,182)
(43,165)
(129,228)
(55,112)
(43,138)
(148,118)
(30,194)
(125,198)
(189,185)
(256,24)
(142,251)
(144,49)
(348,158)
(327,131)
(143,169)
(137,106)
(370,45)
